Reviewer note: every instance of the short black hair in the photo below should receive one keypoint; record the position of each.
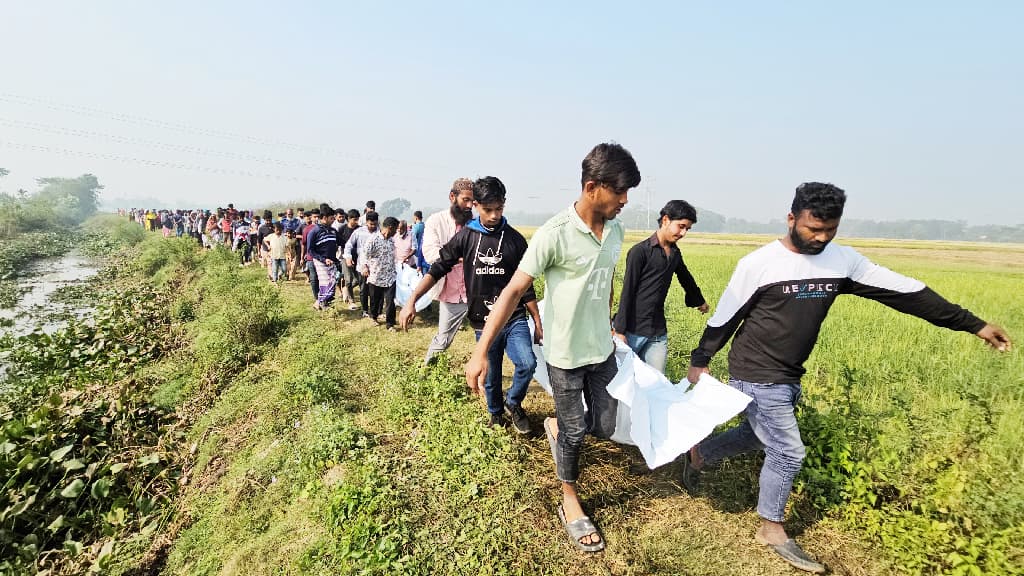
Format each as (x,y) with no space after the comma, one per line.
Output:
(372,216)
(611,164)
(371,204)
(418,214)
(326,210)
(389,222)
(489,190)
(300,209)
(823,200)
(353,213)
(340,211)
(278,226)
(268,215)
(314,212)
(678,210)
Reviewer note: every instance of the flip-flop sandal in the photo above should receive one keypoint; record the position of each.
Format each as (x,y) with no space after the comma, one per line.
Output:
(552,442)
(791,552)
(579,528)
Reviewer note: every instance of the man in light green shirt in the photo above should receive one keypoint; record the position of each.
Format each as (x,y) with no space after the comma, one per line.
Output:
(576,252)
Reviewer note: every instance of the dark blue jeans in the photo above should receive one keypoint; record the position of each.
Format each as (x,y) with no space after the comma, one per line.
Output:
(514,339)
(570,388)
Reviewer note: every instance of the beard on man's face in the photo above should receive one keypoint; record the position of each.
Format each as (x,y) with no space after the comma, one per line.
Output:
(461,216)
(804,246)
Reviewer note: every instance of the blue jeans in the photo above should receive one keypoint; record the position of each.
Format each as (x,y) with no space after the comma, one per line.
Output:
(278,268)
(770,424)
(514,339)
(570,388)
(651,349)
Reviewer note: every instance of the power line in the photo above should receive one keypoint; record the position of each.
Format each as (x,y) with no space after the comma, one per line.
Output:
(198,168)
(181,127)
(64,131)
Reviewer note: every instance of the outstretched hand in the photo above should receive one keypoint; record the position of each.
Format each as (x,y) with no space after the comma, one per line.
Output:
(407,315)
(996,337)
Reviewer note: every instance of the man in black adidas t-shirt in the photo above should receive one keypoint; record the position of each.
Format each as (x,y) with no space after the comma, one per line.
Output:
(775,303)
(490,250)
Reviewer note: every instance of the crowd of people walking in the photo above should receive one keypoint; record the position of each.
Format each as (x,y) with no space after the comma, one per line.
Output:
(479,267)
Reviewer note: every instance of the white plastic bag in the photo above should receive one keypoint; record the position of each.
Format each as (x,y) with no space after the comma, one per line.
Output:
(405,284)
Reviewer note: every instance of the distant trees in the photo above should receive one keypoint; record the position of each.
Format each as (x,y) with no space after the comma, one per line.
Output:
(397,207)
(73,199)
(59,202)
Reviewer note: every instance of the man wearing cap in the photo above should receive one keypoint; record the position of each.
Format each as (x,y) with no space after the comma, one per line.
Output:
(439,228)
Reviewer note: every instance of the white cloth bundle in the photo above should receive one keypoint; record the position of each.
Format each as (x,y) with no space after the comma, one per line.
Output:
(405,284)
(662,419)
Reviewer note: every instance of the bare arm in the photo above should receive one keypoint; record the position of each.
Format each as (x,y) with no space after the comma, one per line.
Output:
(538,330)
(408,312)
(476,368)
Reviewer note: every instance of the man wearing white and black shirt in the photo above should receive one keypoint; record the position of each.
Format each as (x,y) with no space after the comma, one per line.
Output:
(775,303)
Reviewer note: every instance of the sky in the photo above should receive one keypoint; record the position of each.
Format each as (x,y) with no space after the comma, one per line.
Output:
(914,108)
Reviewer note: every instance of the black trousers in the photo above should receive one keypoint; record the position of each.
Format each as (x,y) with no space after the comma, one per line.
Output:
(382,297)
(364,293)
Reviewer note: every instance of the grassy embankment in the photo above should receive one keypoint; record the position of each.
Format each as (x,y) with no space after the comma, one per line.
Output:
(335,453)
(314,443)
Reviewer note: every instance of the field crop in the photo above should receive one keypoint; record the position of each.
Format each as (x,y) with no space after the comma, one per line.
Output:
(317,444)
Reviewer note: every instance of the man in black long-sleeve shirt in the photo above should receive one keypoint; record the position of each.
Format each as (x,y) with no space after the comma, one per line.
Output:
(775,303)
(650,265)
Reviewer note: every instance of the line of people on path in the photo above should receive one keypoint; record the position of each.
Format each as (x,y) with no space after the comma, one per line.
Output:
(329,246)
(482,269)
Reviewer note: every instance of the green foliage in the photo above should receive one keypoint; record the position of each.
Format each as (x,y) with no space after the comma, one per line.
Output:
(124,328)
(83,453)
(167,259)
(104,235)
(71,199)
(922,524)
(59,204)
(397,207)
(232,323)
(81,469)
(368,523)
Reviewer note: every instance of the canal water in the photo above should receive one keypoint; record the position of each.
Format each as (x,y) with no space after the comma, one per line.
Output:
(36,307)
